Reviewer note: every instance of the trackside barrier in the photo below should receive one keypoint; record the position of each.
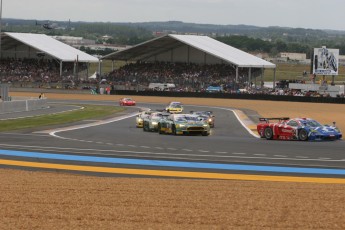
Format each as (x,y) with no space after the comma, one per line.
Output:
(22,105)
(335,100)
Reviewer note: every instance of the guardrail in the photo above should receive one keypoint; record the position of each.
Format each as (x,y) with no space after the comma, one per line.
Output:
(335,100)
(22,105)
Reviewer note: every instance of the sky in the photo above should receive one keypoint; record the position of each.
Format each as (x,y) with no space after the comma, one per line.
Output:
(313,14)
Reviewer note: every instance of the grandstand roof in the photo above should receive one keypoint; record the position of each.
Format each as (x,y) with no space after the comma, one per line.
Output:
(189,48)
(45,44)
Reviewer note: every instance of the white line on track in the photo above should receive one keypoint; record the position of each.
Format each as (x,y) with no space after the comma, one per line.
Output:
(203,151)
(102,122)
(38,115)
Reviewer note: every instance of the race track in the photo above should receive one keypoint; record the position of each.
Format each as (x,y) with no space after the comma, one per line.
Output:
(117,143)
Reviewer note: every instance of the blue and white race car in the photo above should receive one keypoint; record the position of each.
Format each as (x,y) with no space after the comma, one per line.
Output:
(297,129)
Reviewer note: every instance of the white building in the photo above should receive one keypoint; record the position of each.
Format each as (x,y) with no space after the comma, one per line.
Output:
(74,41)
(294,56)
(341,59)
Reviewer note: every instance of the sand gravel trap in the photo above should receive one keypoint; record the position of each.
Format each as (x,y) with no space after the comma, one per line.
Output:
(53,200)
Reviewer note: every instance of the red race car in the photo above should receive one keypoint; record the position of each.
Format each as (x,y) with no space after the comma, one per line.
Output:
(302,129)
(126,102)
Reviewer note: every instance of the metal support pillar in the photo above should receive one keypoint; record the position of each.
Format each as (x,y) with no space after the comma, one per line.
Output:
(236,74)
(61,69)
(100,69)
(250,77)
(262,78)
(274,78)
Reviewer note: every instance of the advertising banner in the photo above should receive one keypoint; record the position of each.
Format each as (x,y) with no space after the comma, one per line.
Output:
(326,61)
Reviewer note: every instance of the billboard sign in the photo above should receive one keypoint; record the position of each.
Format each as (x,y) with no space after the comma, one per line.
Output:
(326,61)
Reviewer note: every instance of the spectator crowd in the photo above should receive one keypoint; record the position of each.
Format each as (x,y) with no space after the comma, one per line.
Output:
(35,72)
(187,77)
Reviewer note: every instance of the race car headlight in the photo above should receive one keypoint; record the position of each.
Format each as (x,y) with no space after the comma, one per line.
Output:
(154,123)
(314,132)
(140,120)
(180,126)
(205,125)
(336,129)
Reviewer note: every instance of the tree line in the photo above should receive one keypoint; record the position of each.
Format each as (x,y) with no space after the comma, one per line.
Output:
(249,44)
(271,40)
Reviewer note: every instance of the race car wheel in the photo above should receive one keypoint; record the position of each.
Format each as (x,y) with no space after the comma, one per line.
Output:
(144,127)
(159,129)
(205,133)
(303,135)
(173,130)
(268,133)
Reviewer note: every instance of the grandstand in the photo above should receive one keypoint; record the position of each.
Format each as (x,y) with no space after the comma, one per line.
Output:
(191,50)
(42,54)
(190,62)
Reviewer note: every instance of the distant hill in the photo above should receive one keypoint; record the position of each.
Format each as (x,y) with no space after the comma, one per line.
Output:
(276,39)
(207,29)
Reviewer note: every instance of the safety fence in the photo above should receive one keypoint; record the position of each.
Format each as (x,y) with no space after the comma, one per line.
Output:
(22,105)
(336,100)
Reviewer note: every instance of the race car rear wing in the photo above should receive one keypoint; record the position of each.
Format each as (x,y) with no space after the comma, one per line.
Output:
(267,120)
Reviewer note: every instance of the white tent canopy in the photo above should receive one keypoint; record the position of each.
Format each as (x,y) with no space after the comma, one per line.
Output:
(223,51)
(30,44)
(189,48)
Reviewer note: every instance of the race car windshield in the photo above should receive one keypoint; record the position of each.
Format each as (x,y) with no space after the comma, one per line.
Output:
(156,116)
(176,106)
(312,123)
(203,113)
(186,118)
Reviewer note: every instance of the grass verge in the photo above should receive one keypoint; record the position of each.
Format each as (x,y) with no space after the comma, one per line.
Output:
(88,112)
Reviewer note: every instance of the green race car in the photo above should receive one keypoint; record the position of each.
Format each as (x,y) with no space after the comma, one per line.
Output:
(150,123)
(178,124)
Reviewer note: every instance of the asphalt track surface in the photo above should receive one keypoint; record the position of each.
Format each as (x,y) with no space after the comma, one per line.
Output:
(115,147)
